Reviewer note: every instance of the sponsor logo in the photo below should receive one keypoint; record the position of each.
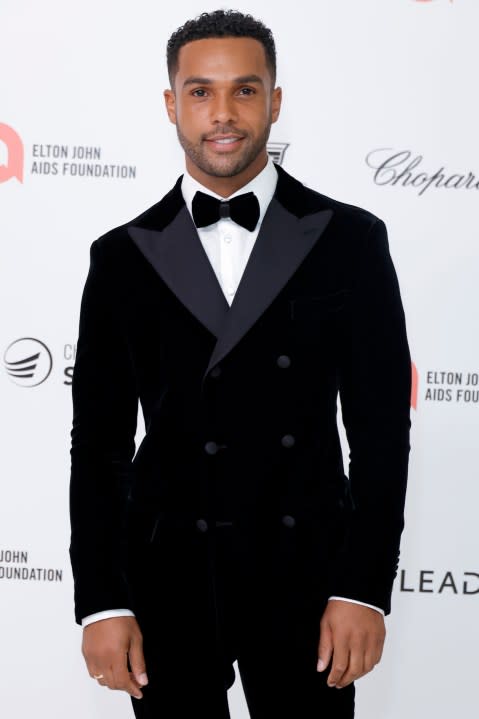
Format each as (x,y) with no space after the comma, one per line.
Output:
(56,159)
(77,161)
(405,169)
(451,1)
(28,362)
(14,160)
(277,150)
(15,565)
(446,386)
(452,386)
(431,581)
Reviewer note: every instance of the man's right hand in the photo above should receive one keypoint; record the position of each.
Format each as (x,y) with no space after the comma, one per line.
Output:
(107,646)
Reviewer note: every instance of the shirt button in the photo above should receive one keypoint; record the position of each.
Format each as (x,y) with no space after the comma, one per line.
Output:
(227,238)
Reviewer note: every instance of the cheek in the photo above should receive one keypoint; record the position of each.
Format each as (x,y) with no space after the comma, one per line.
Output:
(259,117)
(251,120)
(192,120)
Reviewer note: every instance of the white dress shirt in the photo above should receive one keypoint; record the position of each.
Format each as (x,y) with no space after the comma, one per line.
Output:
(227,244)
(228,247)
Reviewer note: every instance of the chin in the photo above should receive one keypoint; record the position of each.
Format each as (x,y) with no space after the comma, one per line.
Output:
(229,169)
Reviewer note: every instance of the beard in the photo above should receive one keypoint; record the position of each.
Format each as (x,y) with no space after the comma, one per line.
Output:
(224,165)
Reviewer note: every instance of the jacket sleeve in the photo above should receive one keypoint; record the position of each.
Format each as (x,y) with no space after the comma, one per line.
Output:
(105,406)
(375,390)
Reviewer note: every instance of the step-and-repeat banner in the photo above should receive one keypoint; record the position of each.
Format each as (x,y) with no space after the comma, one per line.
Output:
(380,110)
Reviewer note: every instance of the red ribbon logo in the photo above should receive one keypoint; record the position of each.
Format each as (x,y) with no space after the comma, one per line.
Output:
(14,166)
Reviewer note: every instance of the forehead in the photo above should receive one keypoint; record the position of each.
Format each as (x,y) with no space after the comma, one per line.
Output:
(222,58)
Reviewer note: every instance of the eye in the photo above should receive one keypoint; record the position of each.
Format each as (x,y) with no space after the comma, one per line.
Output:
(199,92)
(247,91)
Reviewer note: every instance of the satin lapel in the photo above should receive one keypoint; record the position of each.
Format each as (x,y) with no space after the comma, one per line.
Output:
(177,255)
(282,244)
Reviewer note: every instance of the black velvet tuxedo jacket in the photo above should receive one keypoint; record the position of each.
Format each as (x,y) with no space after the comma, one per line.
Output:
(239,402)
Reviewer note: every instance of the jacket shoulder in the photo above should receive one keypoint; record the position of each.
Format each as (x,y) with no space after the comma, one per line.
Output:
(303,200)
(156,217)
(347,212)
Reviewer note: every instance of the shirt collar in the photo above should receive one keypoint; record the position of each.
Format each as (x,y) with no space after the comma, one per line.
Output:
(263,186)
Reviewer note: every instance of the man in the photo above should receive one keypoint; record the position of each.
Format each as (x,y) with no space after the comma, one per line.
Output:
(234,534)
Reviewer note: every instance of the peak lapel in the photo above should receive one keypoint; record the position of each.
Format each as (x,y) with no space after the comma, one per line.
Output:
(177,255)
(283,242)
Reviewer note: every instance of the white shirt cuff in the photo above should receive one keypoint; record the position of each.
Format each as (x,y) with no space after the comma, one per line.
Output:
(363,604)
(107,614)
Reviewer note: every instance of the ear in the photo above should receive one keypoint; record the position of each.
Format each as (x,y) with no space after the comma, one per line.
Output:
(276,103)
(170,102)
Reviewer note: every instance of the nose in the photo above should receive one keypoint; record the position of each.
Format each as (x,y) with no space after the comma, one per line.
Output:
(223,110)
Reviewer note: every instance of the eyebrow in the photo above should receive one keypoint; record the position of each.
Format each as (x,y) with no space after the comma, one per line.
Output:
(242,80)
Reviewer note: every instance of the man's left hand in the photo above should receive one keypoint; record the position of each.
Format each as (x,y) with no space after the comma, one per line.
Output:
(353,635)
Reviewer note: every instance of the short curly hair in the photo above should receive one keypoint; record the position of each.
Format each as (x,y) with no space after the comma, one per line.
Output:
(220,23)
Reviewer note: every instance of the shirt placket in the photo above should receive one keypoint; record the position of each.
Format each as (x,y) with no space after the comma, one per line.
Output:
(228,267)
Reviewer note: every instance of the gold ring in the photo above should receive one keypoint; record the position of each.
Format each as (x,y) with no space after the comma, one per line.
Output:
(98,676)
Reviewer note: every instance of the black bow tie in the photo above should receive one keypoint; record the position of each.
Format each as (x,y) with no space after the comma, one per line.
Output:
(243,209)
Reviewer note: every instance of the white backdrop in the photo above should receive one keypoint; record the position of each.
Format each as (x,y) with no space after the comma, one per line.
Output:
(376,92)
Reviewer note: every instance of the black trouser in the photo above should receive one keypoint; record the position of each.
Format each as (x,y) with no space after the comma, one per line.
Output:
(190,662)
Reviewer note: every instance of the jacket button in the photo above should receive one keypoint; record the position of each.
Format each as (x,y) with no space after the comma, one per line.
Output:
(216,371)
(283,361)
(201,525)
(211,448)
(288,441)
(288,520)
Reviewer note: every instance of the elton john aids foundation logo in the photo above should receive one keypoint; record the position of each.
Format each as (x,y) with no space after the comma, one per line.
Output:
(28,362)
(13,167)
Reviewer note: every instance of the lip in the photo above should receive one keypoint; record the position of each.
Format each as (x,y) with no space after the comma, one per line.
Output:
(218,142)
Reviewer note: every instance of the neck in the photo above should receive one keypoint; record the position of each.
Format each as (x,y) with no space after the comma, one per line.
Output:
(225,186)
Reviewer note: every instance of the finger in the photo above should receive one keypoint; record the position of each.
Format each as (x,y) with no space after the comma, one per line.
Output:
(355,668)
(340,663)
(325,649)
(105,678)
(137,661)
(372,657)
(98,674)
(95,673)
(123,680)
(373,651)
(370,661)
(378,647)
(98,664)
